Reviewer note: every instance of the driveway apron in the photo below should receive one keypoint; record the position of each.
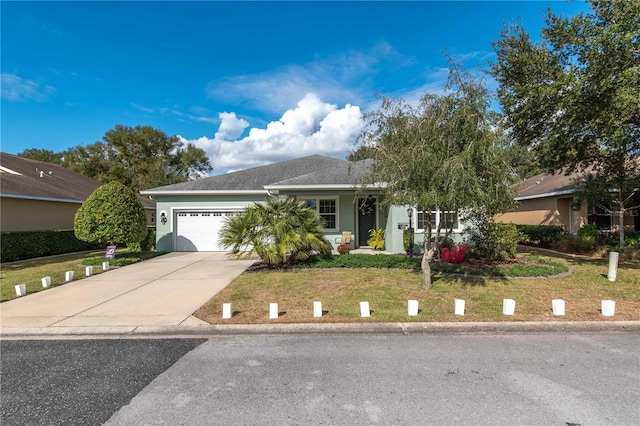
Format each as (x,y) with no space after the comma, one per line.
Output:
(163,291)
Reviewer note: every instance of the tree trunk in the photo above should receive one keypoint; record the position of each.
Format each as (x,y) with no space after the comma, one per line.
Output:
(426,266)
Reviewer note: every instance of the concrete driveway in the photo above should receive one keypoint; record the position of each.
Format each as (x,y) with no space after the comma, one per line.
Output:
(164,291)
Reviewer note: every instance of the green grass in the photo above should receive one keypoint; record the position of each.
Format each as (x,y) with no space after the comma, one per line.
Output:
(30,272)
(340,289)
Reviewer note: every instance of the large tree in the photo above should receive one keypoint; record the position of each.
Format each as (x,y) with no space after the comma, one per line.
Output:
(140,157)
(574,97)
(443,154)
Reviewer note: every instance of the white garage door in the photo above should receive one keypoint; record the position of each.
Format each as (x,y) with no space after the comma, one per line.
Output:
(198,231)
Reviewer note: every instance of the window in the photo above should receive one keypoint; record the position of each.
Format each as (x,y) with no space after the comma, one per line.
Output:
(448,220)
(327,208)
(153,217)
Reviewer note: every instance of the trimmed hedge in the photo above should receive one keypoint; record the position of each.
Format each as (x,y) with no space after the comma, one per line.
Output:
(540,235)
(20,245)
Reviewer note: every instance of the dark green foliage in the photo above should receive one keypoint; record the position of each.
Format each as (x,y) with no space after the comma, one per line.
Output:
(149,241)
(360,261)
(20,245)
(407,237)
(576,243)
(111,215)
(588,230)
(491,241)
(540,235)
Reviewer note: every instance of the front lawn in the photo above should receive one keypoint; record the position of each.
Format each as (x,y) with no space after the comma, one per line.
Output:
(388,289)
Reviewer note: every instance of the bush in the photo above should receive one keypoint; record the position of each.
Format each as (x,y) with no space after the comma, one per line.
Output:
(576,243)
(149,242)
(376,238)
(540,235)
(407,236)
(589,230)
(20,245)
(455,254)
(490,240)
(344,248)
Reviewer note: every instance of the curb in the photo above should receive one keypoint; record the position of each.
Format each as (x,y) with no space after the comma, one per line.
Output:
(139,332)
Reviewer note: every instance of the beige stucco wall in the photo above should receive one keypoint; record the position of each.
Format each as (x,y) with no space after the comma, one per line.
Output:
(546,211)
(29,215)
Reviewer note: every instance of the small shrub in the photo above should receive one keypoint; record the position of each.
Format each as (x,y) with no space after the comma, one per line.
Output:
(575,244)
(540,235)
(407,237)
(343,248)
(376,238)
(589,230)
(455,254)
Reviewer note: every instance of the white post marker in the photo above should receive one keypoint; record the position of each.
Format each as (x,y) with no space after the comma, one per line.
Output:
(46,282)
(105,266)
(226,311)
(21,289)
(88,271)
(613,266)
(558,306)
(508,306)
(317,309)
(412,308)
(608,308)
(364,309)
(458,305)
(273,310)
(68,276)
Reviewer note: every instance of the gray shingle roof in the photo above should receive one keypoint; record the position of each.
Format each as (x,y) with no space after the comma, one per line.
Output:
(314,169)
(346,173)
(55,182)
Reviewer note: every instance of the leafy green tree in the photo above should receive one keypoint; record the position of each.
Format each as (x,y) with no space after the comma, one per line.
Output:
(362,152)
(111,215)
(443,154)
(279,231)
(45,155)
(575,97)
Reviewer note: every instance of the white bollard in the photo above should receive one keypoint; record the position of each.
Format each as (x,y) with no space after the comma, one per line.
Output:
(412,308)
(608,308)
(88,271)
(364,309)
(68,276)
(46,282)
(105,266)
(226,311)
(558,306)
(317,309)
(458,305)
(613,266)
(21,289)
(273,310)
(508,306)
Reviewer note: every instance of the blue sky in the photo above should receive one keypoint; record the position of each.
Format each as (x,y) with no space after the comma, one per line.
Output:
(249,82)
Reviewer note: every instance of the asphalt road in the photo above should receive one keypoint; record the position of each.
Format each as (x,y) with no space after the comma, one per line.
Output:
(79,382)
(445,379)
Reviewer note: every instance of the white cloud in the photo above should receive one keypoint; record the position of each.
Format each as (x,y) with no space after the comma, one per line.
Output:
(346,77)
(15,88)
(313,127)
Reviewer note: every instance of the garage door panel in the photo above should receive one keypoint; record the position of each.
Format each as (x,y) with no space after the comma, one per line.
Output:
(198,231)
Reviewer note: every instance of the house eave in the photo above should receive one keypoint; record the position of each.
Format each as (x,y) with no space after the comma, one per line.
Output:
(545,195)
(36,198)
(204,192)
(349,186)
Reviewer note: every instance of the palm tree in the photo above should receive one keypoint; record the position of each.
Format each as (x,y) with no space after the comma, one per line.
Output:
(280,231)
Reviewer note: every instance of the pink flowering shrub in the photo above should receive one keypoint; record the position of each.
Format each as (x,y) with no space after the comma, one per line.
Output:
(455,254)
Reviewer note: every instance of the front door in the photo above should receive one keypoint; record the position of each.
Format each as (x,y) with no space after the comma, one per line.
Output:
(366,219)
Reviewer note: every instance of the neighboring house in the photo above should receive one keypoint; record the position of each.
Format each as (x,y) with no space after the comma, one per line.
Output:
(35,195)
(549,200)
(190,214)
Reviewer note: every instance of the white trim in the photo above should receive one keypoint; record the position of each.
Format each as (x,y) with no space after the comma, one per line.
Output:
(30,197)
(12,172)
(204,192)
(317,198)
(437,213)
(325,186)
(172,219)
(547,194)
